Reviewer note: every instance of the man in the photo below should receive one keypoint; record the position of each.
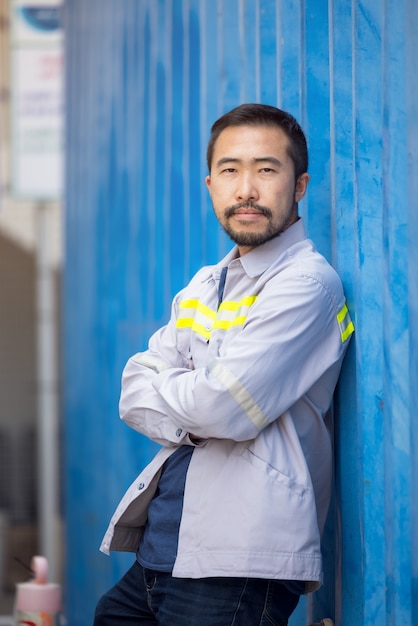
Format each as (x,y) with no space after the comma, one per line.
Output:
(226,520)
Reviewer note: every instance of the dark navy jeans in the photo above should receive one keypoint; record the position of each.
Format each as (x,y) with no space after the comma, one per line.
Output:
(150,598)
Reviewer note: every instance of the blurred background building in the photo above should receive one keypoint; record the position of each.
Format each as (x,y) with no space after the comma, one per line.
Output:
(31,173)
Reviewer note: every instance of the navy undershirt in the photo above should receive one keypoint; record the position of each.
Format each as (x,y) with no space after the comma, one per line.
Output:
(158,547)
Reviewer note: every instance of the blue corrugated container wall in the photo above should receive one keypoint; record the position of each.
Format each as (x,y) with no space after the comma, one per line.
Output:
(145,80)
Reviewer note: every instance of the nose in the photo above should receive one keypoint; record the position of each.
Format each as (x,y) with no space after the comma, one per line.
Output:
(246,188)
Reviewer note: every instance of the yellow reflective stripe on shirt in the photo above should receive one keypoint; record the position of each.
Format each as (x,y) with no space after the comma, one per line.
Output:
(225,324)
(201,319)
(345,323)
(240,394)
(190,322)
(233,313)
(198,306)
(230,305)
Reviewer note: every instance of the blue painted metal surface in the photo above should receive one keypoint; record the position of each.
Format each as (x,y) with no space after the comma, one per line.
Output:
(145,80)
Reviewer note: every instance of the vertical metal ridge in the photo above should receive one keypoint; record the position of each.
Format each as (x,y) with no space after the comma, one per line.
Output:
(396,322)
(411,68)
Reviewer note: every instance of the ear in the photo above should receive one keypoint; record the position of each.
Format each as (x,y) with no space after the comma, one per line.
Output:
(207,181)
(301,186)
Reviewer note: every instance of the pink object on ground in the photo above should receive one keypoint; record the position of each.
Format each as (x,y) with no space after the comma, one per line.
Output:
(38,594)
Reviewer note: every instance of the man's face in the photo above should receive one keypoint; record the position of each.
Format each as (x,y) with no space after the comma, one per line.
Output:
(252,184)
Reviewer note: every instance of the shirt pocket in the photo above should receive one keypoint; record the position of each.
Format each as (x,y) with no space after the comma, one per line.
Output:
(193,327)
(183,343)
(273,473)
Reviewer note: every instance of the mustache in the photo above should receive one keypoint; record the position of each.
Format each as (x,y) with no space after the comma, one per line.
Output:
(230,211)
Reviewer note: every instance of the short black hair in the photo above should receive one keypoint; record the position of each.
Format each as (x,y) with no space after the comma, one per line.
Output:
(264,115)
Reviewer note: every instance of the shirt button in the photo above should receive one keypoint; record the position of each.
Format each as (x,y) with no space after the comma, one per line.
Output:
(178,432)
(141,486)
(208,327)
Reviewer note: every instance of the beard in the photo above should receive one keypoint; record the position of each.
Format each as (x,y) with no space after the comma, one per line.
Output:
(249,239)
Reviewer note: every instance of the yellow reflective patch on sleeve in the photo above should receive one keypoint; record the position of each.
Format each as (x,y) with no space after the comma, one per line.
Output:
(345,323)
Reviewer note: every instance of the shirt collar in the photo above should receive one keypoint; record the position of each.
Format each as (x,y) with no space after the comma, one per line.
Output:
(255,262)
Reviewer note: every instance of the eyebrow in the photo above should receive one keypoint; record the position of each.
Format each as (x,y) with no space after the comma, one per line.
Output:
(266,159)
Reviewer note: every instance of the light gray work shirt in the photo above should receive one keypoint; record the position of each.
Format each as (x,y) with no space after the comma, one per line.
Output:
(249,385)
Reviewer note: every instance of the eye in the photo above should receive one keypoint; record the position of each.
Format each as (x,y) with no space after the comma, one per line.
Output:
(267,170)
(229,170)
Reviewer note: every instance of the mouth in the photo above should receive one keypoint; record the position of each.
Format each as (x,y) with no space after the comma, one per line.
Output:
(248,215)
(247,212)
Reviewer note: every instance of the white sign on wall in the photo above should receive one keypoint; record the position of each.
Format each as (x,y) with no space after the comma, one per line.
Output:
(37,99)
